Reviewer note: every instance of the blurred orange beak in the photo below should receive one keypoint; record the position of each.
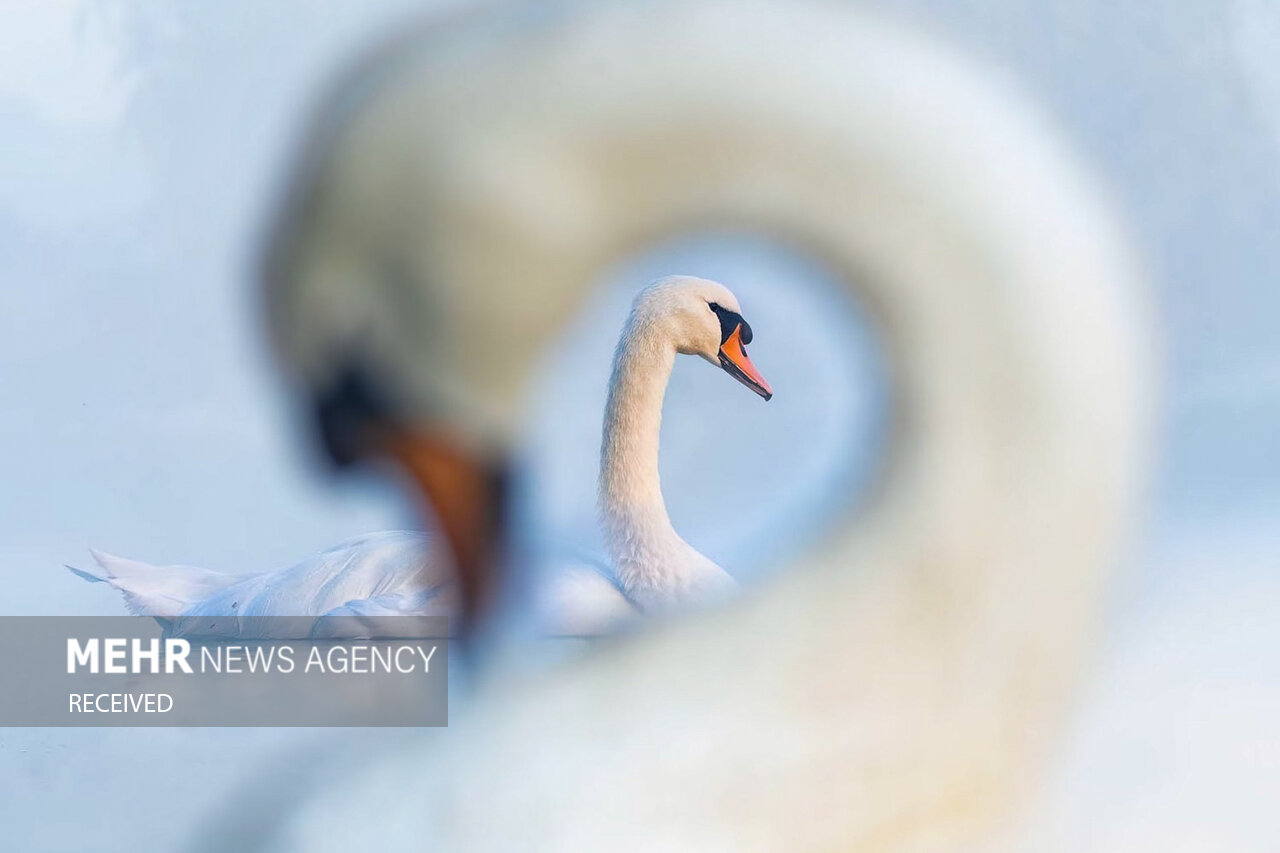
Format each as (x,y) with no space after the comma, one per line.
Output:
(734,361)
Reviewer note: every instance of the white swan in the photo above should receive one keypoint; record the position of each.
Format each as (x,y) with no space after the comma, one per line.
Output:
(679,315)
(895,688)
(346,589)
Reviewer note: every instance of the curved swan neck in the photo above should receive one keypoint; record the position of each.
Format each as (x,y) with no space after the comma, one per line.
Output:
(634,515)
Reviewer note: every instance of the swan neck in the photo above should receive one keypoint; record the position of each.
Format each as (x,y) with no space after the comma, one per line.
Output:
(630,490)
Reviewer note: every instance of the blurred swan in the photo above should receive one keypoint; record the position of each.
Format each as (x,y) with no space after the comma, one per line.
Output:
(347,589)
(897,684)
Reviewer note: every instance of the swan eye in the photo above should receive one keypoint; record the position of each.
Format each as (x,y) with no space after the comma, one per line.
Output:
(729,322)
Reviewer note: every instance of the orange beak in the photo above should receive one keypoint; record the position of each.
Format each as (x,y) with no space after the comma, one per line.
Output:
(734,361)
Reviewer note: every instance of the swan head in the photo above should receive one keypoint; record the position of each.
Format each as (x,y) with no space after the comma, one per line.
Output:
(701,317)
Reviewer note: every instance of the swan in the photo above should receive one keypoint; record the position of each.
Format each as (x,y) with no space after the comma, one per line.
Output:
(897,685)
(345,589)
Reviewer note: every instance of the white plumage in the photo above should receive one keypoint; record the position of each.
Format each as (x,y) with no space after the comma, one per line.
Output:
(378,572)
(894,688)
(347,589)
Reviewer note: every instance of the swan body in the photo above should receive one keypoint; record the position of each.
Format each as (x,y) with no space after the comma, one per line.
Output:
(393,575)
(376,574)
